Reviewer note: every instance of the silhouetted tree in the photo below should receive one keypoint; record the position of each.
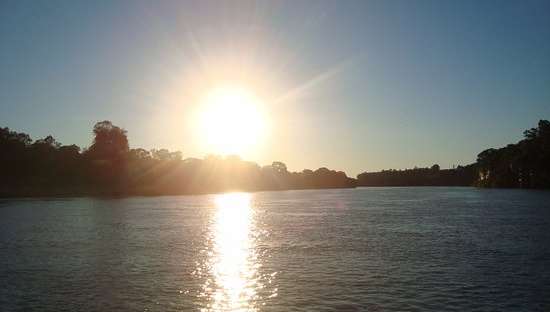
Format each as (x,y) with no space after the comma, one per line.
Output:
(279,167)
(110,142)
(525,164)
(433,176)
(164,154)
(139,154)
(108,166)
(108,155)
(14,157)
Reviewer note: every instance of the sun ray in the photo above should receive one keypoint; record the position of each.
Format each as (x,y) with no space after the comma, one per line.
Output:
(300,90)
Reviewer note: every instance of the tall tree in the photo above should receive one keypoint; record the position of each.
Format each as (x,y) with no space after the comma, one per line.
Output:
(109,154)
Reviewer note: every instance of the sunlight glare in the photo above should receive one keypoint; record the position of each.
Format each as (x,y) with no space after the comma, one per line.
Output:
(232,121)
(233,266)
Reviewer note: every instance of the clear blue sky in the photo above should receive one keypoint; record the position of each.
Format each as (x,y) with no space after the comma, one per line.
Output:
(365,85)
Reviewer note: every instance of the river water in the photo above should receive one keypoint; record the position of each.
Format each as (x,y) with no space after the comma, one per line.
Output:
(364,249)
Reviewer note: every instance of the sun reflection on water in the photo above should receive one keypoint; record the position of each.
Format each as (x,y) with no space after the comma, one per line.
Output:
(234,283)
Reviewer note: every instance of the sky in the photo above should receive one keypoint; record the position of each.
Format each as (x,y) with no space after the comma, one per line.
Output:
(350,85)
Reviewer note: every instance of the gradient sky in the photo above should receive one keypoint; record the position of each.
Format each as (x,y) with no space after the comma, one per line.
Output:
(354,86)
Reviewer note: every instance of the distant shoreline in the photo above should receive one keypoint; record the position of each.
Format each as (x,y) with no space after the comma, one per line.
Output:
(130,195)
(151,194)
(109,167)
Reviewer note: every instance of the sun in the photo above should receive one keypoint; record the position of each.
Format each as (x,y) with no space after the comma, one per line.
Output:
(232,121)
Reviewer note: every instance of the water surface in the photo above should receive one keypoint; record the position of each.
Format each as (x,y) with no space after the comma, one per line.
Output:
(374,249)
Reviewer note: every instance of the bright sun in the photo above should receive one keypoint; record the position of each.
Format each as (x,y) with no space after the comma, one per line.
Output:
(232,121)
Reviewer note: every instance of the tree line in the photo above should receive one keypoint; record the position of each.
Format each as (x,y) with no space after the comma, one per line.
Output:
(432,176)
(525,164)
(109,167)
(45,167)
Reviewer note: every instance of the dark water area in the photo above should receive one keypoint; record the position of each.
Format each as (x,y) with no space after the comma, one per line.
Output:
(365,249)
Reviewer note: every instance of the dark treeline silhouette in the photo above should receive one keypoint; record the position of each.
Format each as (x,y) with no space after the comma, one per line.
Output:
(433,176)
(525,164)
(109,167)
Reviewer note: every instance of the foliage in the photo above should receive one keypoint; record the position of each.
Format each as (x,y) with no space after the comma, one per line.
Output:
(110,167)
(433,176)
(525,164)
